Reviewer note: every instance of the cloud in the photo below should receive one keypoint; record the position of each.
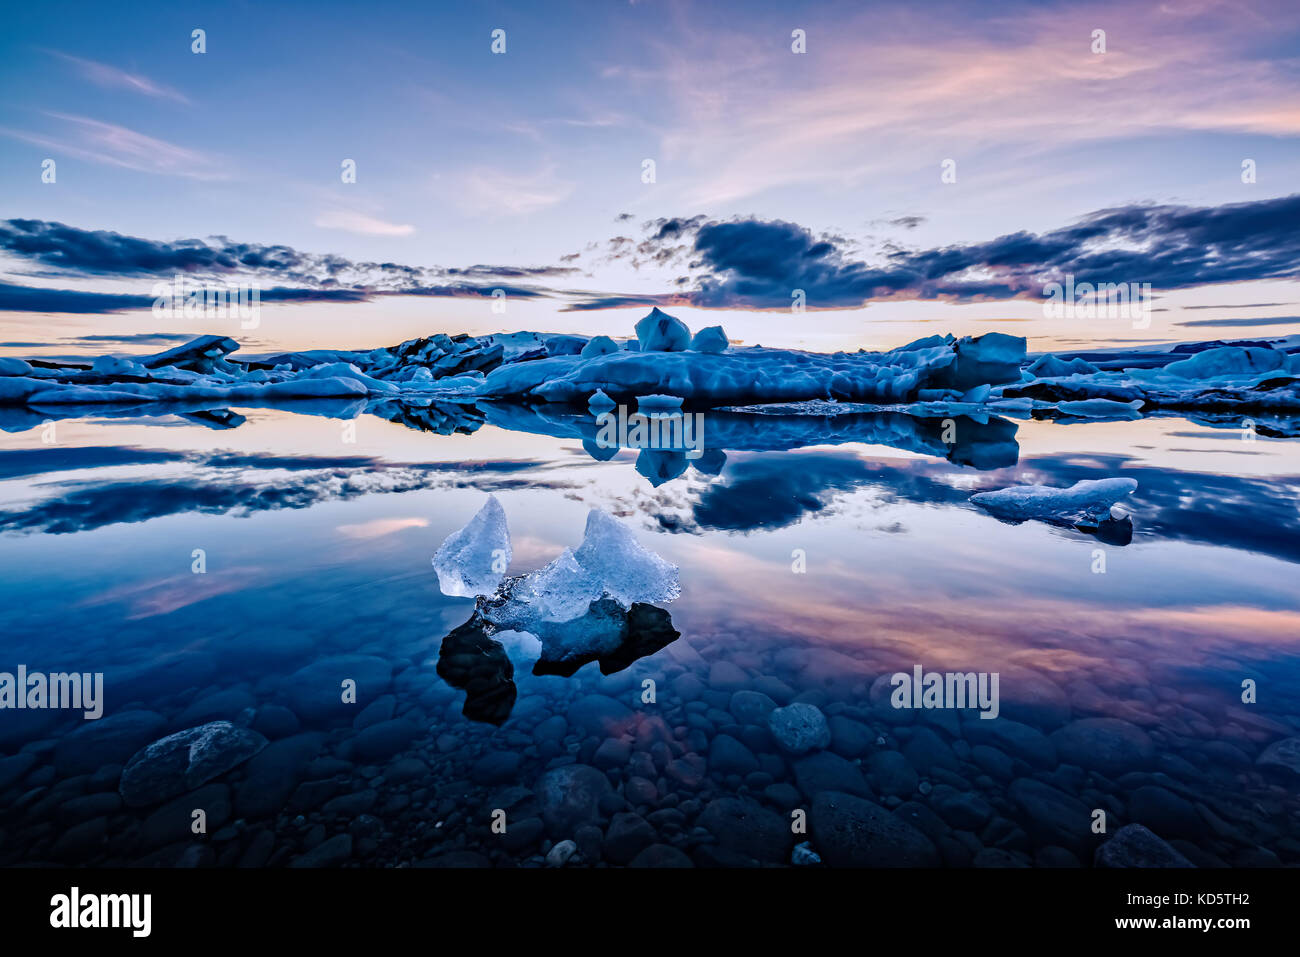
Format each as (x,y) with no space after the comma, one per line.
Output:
(759,264)
(1230,323)
(110,76)
(97,142)
(308,277)
(354,222)
(493,192)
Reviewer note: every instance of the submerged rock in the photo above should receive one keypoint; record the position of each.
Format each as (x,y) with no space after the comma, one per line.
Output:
(799,727)
(1135,846)
(182,761)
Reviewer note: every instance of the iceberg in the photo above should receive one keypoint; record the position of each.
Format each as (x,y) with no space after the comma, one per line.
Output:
(598,346)
(628,572)
(1085,503)
(561,591)
(710,339)
(473,560)
(660,332)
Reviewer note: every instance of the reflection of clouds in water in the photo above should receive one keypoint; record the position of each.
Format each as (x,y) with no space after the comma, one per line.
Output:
(88,504)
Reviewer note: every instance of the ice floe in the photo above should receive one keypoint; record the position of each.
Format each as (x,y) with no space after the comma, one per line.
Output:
(1085,503)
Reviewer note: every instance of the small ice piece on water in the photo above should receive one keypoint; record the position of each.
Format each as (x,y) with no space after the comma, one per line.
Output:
(658,403)
(473,560)
(600,402)
(561,591)
(1084,502)
(1102,409)
(628,572)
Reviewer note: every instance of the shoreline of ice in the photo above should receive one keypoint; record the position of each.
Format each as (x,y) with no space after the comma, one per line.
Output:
(936,376)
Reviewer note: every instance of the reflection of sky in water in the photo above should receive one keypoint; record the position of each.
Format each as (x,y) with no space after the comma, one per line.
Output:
(312,550)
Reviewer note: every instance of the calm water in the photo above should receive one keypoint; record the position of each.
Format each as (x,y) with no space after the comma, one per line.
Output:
(317,534)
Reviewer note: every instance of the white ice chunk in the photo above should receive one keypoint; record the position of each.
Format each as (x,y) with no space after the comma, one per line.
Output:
(1102,409)
(111,365)
(1227,360)
(473,560)
(1087,501)
(647,403)
(710,339)
(561,591)
(660,332)
(598,346)
(1052,367)
(627,571)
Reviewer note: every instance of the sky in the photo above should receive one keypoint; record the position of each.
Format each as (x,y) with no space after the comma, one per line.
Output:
(918,169)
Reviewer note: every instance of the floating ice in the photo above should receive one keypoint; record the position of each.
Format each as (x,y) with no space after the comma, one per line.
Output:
(561,591)
(111,365)
(628,572)
(660,332)
(599,346)
(710,339)
(11,366)
(599,402)
(1102,409)
(1083,503)
(1227,360)
(648,403)
(1051,367)
(473,560)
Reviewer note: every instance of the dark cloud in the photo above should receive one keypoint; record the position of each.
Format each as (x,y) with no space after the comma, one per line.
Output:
(747,262)
(63,250)
(1227,323)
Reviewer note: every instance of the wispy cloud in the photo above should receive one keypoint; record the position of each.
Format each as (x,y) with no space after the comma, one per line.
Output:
(354,222)
(102,74)
(495,192)
(107,143)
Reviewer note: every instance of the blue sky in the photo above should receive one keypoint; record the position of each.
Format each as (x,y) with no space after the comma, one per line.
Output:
(533,159)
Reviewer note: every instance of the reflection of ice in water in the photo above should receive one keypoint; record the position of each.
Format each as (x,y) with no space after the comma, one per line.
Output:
(1084,502)
(473,560)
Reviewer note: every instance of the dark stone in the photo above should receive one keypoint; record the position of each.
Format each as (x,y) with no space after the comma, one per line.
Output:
(661,855)
(825,771)
(729,756)
(381,741)
(1054,817)
(850,738)
(1135,846)
(1165,812)
(174,821)
(315,692)
(273,773)
(182,761)
(891,774)
(748,828)
(331,853)
(849,831)
(1013,738)
(627,836)
(600,714)
(108,740)
(1109,745)
(496,767)
(569,797)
